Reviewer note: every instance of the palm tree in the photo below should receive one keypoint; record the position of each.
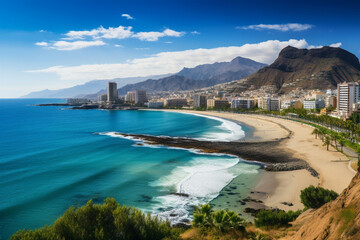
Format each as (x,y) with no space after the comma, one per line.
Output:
(315,132)
(326,142)
(202,215)
(322,133)
(342,143)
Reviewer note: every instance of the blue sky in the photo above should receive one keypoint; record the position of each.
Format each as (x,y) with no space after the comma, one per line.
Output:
(43,44)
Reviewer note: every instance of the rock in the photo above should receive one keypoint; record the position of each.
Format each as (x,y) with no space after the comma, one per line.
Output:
(182,225)
(181,194)
(251,211)
(287,204)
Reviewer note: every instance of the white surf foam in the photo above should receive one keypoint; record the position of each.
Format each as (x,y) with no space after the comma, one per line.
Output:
(233,131)
(201,180)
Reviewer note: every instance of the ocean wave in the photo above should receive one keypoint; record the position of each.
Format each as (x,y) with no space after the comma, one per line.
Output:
(199,182)
(234,130)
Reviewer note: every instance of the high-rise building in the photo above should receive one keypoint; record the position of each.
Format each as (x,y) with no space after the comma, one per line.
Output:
(200,101)
(270,104)
(140,97)
(217,103)
(130,97)
(242,103)
(112,93)
(347,98)
(176,102)
(102,98)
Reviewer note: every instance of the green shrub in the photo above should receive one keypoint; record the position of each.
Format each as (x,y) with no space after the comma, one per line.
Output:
(222,220)
(275,218)
(315,197)
(102,221)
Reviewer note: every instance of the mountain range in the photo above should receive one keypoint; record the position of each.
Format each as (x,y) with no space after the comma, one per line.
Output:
(319,68)
(187,79)
(199,77)
(90,87)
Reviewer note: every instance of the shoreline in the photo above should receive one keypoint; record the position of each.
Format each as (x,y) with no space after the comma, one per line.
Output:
(282,189)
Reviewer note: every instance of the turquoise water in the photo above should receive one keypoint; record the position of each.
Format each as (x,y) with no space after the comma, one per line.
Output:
(51,159)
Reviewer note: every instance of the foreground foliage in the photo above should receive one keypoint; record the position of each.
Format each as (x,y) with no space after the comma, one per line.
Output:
(222,220)
(315,197)
(275,218)
(102,221)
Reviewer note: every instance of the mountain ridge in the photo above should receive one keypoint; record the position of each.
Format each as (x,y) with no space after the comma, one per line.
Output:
(319,68)
(87,88)
(201,76)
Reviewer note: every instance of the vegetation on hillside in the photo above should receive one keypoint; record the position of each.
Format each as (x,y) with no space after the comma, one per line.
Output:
(219,222)
(103,221)
(275,218)
(315,197)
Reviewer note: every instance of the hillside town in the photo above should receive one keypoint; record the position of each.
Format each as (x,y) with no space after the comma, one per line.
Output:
(340,103)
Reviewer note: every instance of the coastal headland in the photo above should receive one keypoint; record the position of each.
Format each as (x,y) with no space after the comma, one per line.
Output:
(293,157)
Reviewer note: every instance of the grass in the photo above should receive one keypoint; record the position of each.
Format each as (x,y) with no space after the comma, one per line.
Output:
(354,165)
(347,217)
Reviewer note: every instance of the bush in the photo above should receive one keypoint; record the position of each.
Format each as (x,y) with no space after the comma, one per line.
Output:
(275,218)
(106,221)
(222,220)
(315,197)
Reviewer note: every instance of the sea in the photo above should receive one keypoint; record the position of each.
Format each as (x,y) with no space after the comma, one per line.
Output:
(52,158)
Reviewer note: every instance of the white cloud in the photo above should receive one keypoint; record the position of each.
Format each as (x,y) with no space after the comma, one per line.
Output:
(99,34)
(154,36)
(279,27)
(42,30)
(42,44)
(195,32)
(118,45)
(127,16)
(120,32)
(67,46)
(336,44)
(172,62)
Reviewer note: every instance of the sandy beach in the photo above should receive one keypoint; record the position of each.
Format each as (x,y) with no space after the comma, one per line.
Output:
(279,187)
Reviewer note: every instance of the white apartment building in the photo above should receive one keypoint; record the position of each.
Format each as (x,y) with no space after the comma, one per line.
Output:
(270,104)
(314,103)
(347,98)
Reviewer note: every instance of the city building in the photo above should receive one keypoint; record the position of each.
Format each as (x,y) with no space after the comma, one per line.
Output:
(200,101)
(347,98)
(175,102)
(77,101)
(112,93)
(288,103)
(140,97)
(155,104)
(102,98)
(314,103)
(270,104)
(130,97)
(217,104)
(243,103)
(331,101)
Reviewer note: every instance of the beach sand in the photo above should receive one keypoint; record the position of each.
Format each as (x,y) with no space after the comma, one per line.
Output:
(277,187)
